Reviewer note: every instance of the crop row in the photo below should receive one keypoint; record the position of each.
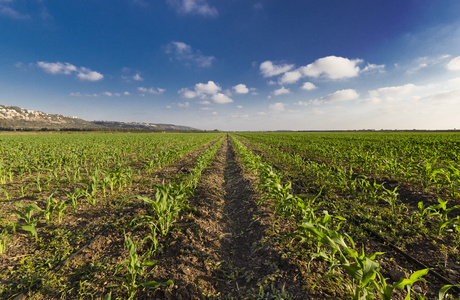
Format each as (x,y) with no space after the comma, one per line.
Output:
(60,190)
(324,221)
(426,160)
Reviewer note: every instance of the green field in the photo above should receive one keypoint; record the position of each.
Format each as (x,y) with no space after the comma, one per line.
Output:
(221,216)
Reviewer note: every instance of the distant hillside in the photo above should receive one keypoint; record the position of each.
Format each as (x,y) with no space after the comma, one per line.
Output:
(17,118)
(13,117)
(142,126)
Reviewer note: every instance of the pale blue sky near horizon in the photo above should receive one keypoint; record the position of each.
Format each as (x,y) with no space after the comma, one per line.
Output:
(236,64)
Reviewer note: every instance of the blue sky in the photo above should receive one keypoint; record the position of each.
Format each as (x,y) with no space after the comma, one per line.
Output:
(236,64)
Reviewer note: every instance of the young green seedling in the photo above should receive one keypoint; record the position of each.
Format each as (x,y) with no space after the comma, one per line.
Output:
(135,268)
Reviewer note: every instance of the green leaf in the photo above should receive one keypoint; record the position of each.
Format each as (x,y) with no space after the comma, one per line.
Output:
(153,284)
(149,263)
(369,271)
(444,289)
(413,279)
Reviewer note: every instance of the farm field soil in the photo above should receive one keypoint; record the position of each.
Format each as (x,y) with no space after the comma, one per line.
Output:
(430,250)
(98,228)
(222,250)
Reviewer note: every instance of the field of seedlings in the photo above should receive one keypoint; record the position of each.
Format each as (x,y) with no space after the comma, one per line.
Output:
(363,215)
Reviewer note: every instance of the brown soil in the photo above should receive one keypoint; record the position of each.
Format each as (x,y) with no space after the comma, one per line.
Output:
(223,250)
(432,251)
(96,231)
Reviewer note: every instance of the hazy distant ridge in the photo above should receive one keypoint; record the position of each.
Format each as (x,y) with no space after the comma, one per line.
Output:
(13,117)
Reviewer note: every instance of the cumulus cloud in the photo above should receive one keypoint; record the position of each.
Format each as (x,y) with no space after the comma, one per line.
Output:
(308,86)
(332,67)
(454,64)
(268,69)
(67,69)
(341,95)
(109,94)
(281,91)
(151,90)
(194,7)
(277,107)
(241,89)
(393,91)
(57,68)
(183,52)
(138,77)
(204,102)
(203,90)
(207,88)
(290,77)
(329,67)
(87,74)
(221,98)
(187,94)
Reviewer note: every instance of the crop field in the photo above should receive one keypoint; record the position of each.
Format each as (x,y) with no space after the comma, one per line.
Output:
(362,215)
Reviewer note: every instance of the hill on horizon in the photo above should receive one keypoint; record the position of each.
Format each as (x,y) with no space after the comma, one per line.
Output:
(17,118)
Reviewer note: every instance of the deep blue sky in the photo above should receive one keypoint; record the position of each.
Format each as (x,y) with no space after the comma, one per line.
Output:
(236,64)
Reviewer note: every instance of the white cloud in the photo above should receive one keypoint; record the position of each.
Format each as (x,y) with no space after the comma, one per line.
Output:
(241,89)
(393,91)
(138,77)
(341,95)
(183,52)
(184,105)
(106,93)
(425,62)
(447,97)
(208,88)
(221,98)
(87,74)
(239,106)
(57,68)
(332,67)
(187,94)
(195,7)
(67,69)
(268,69)
(290,77)
(373,68)
(151,90)
(203,90)
(204,102)
(454,81)
(454,64)
(277,107)
(308,86)
(200,90)
(281,91)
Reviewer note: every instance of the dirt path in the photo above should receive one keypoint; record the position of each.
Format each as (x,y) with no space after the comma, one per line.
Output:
(222,250)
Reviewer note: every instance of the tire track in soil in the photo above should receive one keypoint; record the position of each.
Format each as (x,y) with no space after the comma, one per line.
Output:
(256,269)
(222,251)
